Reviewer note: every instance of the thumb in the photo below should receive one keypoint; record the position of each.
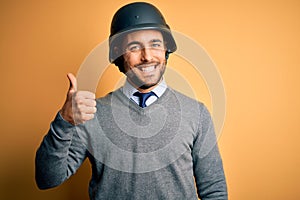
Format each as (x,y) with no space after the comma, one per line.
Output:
(73,82)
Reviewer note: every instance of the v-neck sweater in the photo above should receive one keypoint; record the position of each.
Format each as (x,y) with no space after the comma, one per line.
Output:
(167,150)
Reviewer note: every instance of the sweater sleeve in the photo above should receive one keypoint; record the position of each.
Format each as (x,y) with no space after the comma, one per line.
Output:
(60,154)
(207,162)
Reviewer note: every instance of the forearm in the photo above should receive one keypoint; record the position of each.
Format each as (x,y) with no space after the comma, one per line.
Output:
(210,177)
(58,156)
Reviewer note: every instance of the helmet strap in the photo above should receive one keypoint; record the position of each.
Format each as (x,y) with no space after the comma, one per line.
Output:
(167,54)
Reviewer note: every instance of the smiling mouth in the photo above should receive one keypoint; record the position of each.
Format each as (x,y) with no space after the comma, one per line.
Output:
(147,69)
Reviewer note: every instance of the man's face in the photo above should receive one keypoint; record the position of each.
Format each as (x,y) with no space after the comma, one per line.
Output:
(144,58)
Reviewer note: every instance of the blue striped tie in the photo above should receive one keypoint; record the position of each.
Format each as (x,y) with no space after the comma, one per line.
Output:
(143,97)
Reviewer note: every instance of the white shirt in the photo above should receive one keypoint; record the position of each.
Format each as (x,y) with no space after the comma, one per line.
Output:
(129,90)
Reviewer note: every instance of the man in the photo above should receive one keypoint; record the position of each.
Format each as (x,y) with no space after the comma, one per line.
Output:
(144,140)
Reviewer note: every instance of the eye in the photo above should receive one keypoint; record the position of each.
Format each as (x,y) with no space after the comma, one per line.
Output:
(156,45)
(134,47)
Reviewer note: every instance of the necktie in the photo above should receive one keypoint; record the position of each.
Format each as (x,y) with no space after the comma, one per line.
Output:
(143,98)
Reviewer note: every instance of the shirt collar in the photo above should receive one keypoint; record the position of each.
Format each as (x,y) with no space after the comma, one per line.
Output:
(129,90)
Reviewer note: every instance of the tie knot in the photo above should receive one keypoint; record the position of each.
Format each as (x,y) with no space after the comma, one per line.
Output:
(143,97)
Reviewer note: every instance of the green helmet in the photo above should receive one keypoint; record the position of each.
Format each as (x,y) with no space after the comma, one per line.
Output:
(134,17)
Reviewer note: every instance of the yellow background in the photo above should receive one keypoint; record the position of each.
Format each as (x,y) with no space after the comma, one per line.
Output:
(255,44)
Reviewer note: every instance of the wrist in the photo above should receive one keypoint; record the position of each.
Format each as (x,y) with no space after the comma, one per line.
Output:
(66,117)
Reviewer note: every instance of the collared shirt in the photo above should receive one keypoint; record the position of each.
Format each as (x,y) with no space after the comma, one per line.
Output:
(129,90)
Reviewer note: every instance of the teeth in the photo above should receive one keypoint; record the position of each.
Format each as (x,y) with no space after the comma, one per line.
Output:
(148,69)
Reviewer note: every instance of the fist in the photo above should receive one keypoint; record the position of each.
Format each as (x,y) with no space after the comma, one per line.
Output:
(80,106)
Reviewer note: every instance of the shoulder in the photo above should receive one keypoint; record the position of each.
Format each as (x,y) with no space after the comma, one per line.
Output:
(186,100)
(108,97)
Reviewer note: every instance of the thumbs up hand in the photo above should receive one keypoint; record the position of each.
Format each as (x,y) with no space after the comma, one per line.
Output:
(80,106)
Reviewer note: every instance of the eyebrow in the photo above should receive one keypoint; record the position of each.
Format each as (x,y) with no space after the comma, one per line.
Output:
(136,42)
(156,40)
(132,43)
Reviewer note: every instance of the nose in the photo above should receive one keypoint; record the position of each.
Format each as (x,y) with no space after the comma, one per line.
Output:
(146,55)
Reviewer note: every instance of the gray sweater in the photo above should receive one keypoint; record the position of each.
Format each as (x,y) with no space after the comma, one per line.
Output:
(167,150)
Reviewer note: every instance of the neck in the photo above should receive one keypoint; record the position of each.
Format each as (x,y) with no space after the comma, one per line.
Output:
(143,89)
